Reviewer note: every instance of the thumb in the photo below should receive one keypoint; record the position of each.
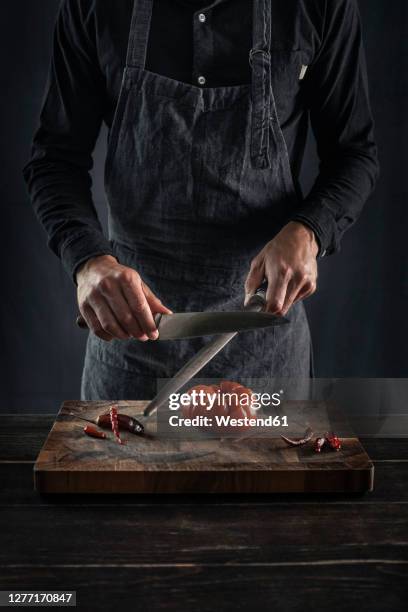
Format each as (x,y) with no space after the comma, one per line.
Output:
(155,304)
(254,279)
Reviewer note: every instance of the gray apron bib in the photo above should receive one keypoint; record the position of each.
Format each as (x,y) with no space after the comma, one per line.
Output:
(197,181)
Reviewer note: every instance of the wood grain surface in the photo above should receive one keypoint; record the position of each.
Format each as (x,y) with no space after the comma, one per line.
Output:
(204,552)
(71,462)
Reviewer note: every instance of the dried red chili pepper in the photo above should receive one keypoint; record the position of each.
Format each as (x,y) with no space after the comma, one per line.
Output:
(125,422)
(319,444)
(94,433)
(113,412)
(307,436)
(333,441)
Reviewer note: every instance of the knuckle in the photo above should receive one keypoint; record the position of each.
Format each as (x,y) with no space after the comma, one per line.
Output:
(127,318)
(302,274)
(276,305)
(284,270)
(85,306)
(124,275)
(92,296)
(105,285)
(106,326)
(302,279)
(94,324)
(128,276)
(255,264)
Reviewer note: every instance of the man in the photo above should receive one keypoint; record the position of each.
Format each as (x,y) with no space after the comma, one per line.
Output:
(207,106)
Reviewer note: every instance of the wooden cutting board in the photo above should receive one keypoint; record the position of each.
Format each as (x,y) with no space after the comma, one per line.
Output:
(71,462)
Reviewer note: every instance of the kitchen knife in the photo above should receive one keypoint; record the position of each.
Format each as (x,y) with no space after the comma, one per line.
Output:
(255,305)
(196,324)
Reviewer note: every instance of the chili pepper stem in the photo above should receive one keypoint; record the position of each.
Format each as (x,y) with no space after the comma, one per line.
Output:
(307,436)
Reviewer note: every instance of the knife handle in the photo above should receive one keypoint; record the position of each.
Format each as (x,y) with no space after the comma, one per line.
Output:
(257,302)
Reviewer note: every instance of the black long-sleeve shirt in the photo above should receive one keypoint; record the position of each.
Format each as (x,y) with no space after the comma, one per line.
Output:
(89,55)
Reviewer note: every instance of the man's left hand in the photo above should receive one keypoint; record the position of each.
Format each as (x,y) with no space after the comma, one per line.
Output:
(288,263)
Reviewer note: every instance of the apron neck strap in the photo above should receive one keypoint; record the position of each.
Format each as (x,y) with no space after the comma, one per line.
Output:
(139,33)
(262,32)
(262,104)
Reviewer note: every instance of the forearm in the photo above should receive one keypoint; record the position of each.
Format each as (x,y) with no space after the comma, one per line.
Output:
(337,198)
(62,201)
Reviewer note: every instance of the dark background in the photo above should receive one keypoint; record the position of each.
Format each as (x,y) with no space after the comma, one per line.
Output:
(359,315)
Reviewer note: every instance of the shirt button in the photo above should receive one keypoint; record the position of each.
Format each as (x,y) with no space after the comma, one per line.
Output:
(202,17)
(201,80)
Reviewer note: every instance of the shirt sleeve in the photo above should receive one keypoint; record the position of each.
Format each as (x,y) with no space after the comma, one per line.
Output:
(337,94)
(58,172)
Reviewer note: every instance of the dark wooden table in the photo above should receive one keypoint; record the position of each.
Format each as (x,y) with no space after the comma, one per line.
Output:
(195,553)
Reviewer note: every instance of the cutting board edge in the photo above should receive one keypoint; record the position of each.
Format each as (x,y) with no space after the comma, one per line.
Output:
(210,482)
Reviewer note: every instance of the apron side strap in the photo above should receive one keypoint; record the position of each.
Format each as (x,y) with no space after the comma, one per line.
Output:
(260,63)
(139,33)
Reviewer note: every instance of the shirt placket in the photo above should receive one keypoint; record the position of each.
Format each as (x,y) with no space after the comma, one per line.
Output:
(202,47)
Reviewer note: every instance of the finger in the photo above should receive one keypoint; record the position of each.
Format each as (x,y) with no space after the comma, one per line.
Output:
(94,324)
(306,291)
(156,305)
(137,301)
(276,292)
(123,313)
(254,279)
(292,292)
(107,319)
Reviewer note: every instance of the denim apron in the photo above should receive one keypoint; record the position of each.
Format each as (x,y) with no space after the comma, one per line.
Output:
(198,180)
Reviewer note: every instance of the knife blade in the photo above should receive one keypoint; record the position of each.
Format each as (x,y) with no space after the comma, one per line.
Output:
(209,351)
(195,324)
(182,325)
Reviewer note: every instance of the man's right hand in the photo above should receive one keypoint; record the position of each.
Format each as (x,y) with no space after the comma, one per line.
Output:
(115,302)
